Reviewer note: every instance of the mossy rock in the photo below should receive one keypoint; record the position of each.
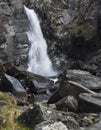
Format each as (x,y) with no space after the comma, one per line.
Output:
(8,113)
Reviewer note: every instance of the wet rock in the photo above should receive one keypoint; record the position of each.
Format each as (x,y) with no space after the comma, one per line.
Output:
(17,89)
(84,78)
(89,103)
(39,113)
(13,86)
(49,125)
(67,104)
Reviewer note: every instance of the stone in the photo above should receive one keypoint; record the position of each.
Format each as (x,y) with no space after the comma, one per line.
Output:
(68,103)
(12,85)
(89,102)
(39,113)
(5,66)
(49,125)
(68,88)
(17,89)
(84,78)
(33,82)
(94,65)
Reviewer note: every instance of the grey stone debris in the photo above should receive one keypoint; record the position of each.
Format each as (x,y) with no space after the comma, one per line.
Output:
(39,113)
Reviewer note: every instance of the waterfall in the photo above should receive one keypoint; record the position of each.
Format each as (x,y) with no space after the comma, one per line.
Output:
(39,61)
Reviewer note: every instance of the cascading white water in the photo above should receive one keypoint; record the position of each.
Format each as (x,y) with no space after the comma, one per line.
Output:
(39,61)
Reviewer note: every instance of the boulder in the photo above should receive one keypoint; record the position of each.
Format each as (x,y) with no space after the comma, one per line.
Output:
(89,103)
(49,125)
(12,85)
(32,82)
(84,78)
(68,103)
(17,89)
(39,113)
(68,88)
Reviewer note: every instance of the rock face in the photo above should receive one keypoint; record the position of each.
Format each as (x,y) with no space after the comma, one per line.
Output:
(13,39)
(71,28)
(72,25)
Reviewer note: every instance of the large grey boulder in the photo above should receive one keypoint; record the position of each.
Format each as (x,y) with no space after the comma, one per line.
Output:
(84,78)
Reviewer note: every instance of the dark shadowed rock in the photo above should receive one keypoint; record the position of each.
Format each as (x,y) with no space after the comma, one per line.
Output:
(89,103)
(11,84)
(49,125)
(39,113)
(5,66)
(67,104)
(94,65)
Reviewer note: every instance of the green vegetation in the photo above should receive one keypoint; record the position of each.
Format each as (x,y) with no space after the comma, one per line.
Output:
(8,113)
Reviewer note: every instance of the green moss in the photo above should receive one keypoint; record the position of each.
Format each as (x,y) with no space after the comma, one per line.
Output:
(8,113)
(7,98)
